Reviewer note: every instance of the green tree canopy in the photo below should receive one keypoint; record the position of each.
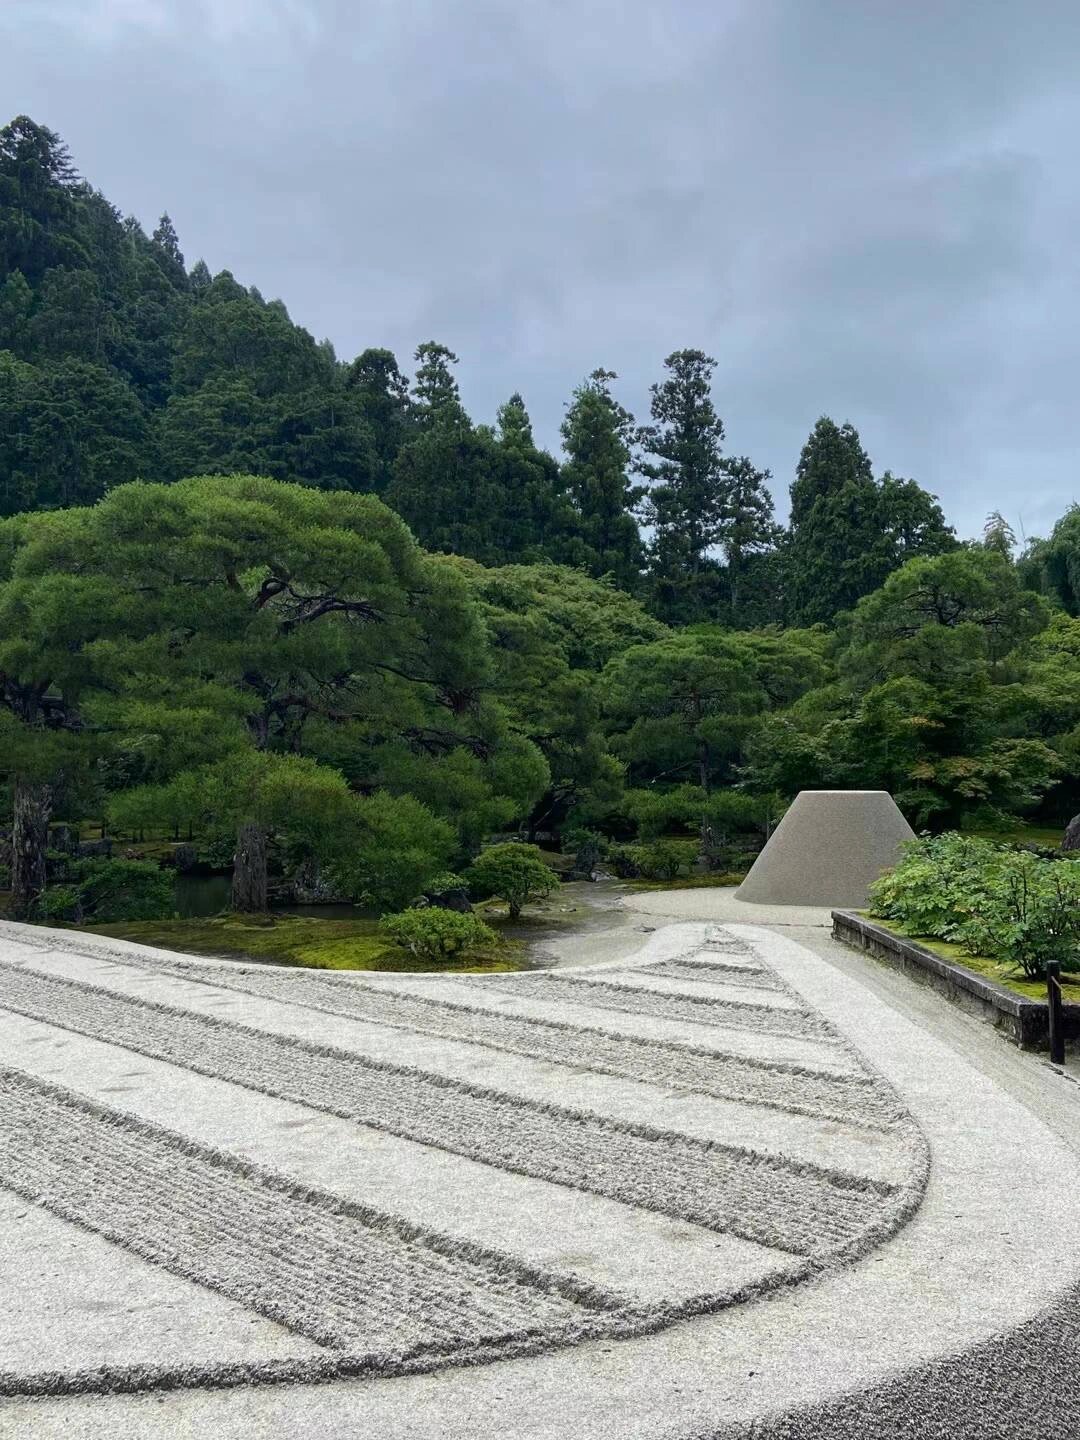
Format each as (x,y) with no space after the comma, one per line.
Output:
(686,498)
(848,531)
(597,436)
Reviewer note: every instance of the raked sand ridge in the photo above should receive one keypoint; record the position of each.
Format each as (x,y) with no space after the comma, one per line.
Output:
(714,1182)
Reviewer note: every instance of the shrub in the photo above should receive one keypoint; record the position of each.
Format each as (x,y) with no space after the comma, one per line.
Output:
(1031,914)
(101,891)
(660,860)
(444,883)
(58,902)
(515,873)
(623,860)
(939,883)
(995,900)
(433,934)
(663,859)
(124,890)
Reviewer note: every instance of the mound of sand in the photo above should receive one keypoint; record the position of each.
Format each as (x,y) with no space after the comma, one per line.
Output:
(828,849)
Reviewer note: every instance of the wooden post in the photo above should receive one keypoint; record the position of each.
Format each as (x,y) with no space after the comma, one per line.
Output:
(1053,1005)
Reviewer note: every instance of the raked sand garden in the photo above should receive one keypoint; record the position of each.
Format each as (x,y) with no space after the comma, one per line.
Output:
(728,1179)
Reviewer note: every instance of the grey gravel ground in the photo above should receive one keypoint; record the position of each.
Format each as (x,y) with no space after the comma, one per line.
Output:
(205,1216)
(920,1324)
(795,1207)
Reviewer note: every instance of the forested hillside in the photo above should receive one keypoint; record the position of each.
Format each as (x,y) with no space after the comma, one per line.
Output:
(373,632)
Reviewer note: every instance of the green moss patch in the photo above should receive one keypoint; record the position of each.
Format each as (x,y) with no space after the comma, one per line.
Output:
(1010,976)
(312,942)
(1046,837)
(725,880)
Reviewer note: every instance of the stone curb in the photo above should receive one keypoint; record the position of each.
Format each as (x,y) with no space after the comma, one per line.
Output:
(1025,1022)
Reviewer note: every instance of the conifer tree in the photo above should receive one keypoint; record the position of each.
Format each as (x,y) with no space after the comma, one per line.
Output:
(167,240)
(383,395)
(687,495)
(435,391)
(848,532)
(597,435)
(514,428)
(750,536)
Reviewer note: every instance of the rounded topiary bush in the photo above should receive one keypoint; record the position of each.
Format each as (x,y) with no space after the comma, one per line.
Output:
(433,934)
(513,872)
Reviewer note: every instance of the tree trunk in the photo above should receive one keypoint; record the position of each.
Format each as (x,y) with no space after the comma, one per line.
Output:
(706,829)
(29,841)
(249,883)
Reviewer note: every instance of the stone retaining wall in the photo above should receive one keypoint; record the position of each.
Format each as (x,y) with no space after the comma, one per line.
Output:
(1023,1021)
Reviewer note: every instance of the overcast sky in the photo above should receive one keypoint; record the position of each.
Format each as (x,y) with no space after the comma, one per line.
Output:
(865,208)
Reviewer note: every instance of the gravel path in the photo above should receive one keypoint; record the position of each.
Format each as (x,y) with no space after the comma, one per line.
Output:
(338,1240)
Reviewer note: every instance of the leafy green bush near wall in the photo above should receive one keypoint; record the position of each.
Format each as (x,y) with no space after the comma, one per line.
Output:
(993,900)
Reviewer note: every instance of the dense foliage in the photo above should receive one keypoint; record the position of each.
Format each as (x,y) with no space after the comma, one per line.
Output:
(514,873)
(104,891)
(313,616)
(997,901)
(433,934)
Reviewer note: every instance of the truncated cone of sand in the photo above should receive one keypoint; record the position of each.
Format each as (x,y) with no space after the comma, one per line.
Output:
(828,849)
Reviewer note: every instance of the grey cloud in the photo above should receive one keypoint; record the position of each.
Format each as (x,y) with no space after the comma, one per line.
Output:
(859,207)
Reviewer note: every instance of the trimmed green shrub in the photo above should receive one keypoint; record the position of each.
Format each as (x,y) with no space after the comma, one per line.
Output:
(101,891)
(659,860)
(432,934)
(58,902)
(443,883)
(1031,915)
(939,883)
(513,872)
(664,859)
(125,890)
(994,900)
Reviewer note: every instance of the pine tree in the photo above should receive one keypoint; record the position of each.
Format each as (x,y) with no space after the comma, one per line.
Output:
(37,201)
(597,435)
(999,535)
(383,394)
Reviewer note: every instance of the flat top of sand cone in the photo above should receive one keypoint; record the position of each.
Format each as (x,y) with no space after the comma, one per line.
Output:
(828,849)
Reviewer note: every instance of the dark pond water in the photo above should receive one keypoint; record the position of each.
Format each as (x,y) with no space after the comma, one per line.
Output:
(201,895)
(198,895)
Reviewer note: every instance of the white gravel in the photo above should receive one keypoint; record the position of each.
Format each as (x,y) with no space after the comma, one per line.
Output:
(537,1158)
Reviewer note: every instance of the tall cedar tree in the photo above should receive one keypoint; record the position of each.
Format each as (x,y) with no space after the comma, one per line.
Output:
(848,532)
(750,539)
(686,499)
(597,436)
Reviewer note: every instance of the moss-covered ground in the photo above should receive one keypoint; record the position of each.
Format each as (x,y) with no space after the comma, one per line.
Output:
(309,941)
(722,880)
(1048,837)
(1008,975)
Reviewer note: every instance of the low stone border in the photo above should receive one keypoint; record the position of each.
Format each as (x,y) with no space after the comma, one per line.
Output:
(1024,1021)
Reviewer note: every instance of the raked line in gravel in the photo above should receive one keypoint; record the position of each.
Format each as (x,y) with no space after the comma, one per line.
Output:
(656,1197)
